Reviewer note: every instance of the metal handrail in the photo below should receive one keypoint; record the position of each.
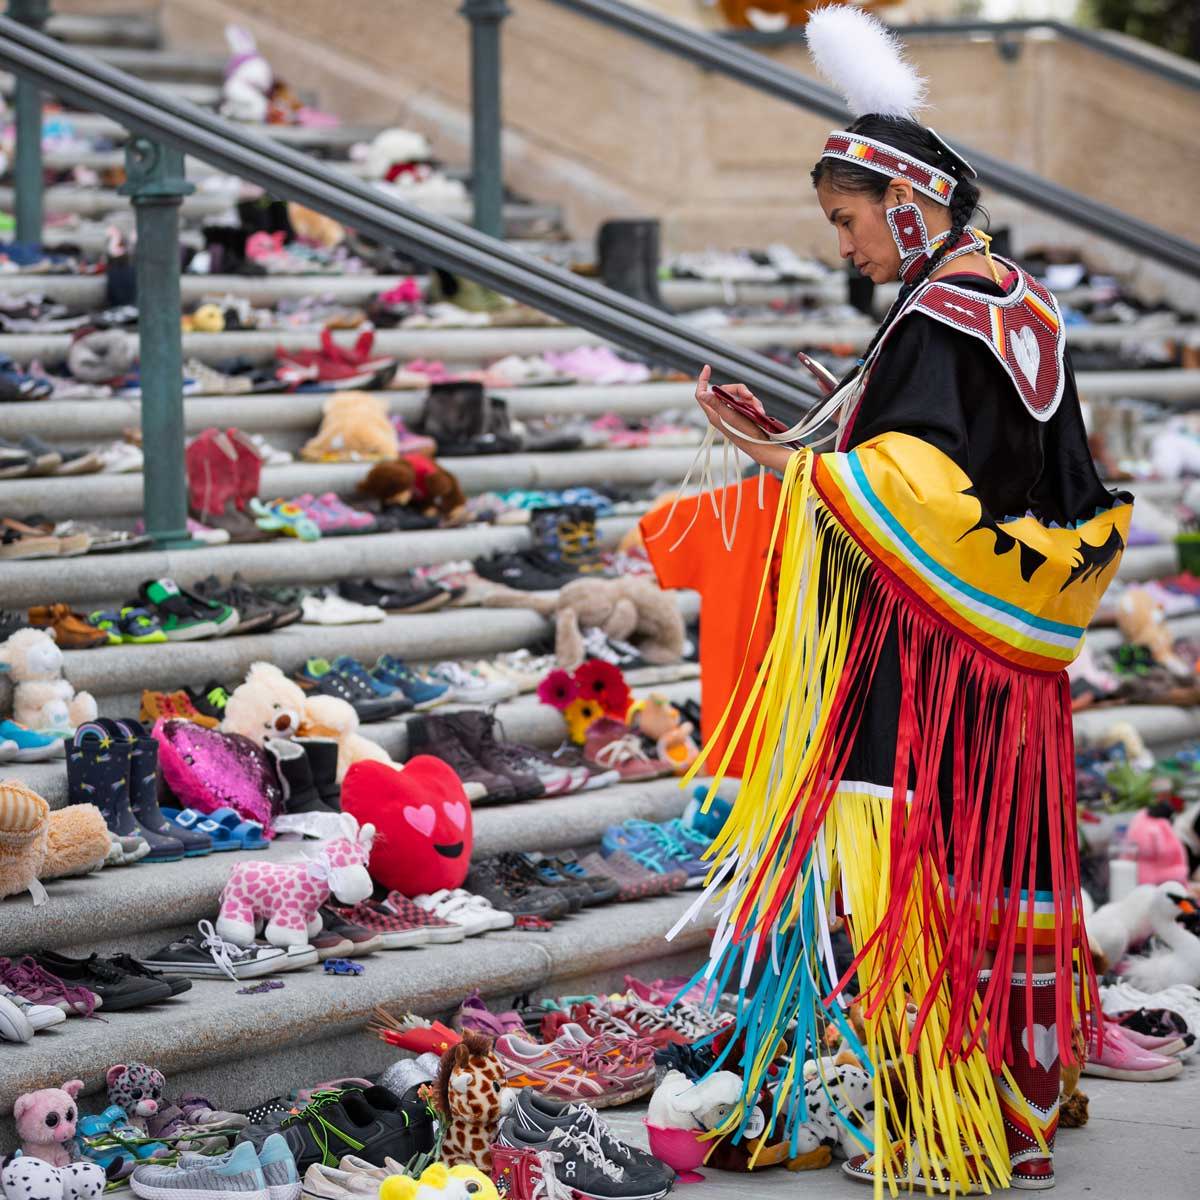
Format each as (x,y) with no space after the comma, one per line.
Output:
(724,55)
(1130,51)
(286,173)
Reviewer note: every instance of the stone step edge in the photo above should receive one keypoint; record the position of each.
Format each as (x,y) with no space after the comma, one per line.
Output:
(121,901)
(211,1024)
(524,719)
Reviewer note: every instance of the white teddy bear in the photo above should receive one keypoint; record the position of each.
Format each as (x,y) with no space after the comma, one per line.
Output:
(42,699)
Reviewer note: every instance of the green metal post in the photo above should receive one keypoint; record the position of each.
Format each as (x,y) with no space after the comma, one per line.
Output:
(27,101)
(154,181)
(487,171)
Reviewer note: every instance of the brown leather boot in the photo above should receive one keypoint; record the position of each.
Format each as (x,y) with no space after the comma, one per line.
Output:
(71,630)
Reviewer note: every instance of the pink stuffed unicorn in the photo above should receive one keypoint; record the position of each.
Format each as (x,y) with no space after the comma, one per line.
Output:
(287,895)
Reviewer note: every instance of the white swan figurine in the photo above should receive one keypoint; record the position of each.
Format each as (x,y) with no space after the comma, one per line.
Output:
(1116,927)
(1178,961)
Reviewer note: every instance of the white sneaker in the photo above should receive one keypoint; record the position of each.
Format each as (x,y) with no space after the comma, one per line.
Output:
(14,1024)
(271,455)
(326,608)
(526,670)
(474,913)
(39,1016)
(120,458)
(1124,997)
(470,686)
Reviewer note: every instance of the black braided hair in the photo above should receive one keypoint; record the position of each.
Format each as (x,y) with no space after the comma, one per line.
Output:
(913,139)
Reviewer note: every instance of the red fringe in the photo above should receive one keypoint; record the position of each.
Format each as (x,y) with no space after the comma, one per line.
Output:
(1014,769)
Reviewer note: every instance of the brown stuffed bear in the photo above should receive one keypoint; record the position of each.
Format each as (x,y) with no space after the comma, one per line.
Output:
(355,427)
(627,609)
(417,480)
(777,14)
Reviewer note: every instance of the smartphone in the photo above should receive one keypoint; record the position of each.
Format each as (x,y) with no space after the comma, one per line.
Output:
(765,422)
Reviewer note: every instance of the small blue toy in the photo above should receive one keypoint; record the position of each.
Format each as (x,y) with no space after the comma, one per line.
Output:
(343,966)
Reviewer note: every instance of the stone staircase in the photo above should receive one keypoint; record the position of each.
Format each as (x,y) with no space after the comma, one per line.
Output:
(242,1049)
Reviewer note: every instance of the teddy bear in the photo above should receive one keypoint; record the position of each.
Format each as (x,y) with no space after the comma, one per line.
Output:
(136,1088)
(45,1122)
(313,227)
(355,427)
(626,609)
(417,480)
(773,16)
(1142,622)
(248,78)
(42,699)
(270,705)
(659,720)
(23,1177)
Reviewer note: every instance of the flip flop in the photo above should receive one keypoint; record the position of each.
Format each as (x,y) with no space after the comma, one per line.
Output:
(189,818)
(248,835)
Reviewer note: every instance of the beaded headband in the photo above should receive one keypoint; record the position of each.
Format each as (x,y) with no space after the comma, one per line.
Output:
(877,156)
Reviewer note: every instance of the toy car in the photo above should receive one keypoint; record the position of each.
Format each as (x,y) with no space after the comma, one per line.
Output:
(343,966)
(530,922)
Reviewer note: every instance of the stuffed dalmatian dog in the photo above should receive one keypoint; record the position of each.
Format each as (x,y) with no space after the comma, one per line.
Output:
(846,1085)
(23,1177)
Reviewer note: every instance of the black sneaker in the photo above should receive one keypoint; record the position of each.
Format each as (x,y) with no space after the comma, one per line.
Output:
(183,615)
(511,892)
(255,615)
(603,887)
(373,1124)
(538,1115)
(526,571)
(286,608)
(118,989)
(582,1165)
(209,699)
(544,873)
(359,695)
(402,594)
(133,966)
(209,956)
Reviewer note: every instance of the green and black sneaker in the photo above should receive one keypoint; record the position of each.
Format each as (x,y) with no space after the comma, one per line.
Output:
(184,616)
(210,699)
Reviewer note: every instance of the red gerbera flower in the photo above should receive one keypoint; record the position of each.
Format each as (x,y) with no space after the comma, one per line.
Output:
(602,682)
(558,689)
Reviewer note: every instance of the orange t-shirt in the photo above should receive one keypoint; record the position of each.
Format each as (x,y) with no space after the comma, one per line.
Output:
(728,582)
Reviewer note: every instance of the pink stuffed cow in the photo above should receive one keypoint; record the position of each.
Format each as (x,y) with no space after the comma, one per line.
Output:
(287,895)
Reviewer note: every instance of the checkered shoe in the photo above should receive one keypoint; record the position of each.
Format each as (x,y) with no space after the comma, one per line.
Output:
(438,928)
(396,932)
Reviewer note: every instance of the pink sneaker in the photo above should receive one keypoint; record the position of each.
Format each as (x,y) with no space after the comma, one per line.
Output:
(568,1069)
(1171,1044)
(1121,1058)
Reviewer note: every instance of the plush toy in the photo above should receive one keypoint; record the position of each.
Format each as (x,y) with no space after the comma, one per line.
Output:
(774,16)
(628,609)
(45,1122)
(37,844)
(680,1103)
(270,705)
(656,718)
(1142,622)
(393,151)
(355,427)
(42,698)
(314,227)
(417,480)
(138,1089)
(23,1177)
(101,355)
(208,318)
(472,1097)
(248,78)
(440,1182)
(287,896)
(423,821)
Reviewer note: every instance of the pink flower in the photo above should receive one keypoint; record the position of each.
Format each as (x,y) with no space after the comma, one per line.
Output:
(558,689)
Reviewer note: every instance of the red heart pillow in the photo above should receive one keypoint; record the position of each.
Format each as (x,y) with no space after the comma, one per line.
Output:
(422,819)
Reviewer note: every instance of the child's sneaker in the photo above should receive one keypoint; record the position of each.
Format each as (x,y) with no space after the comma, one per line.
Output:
(185,617)
(395,932)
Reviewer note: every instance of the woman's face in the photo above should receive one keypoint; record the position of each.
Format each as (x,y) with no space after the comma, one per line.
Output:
(864,236)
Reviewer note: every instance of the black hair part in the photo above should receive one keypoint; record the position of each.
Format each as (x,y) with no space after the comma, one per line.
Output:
(912,139)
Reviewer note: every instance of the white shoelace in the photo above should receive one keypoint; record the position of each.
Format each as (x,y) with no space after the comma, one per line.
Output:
(622,750)
(590,1149)
(225,954)
(587,1118)
(548,1186)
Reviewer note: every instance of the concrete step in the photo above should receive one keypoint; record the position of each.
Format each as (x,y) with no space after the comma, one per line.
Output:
(173,66)
(103,911)
(336,138)
(106,29)
(242,1049)
(102,202)
(524,719)
(116,675)
(474,345)
(65,421)
(97,577)
(121,495)
(1164,728)
(86,292)
(1148,562)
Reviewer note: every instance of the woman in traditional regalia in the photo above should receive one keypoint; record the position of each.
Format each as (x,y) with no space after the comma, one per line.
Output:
(910,764)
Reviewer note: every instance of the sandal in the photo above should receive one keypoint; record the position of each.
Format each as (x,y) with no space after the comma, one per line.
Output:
(189,818)
(247,834)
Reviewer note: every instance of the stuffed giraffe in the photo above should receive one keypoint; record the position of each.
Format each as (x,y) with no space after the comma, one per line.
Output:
(473,1095)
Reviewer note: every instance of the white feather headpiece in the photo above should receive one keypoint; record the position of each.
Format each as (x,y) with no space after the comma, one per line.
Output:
(864,61)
